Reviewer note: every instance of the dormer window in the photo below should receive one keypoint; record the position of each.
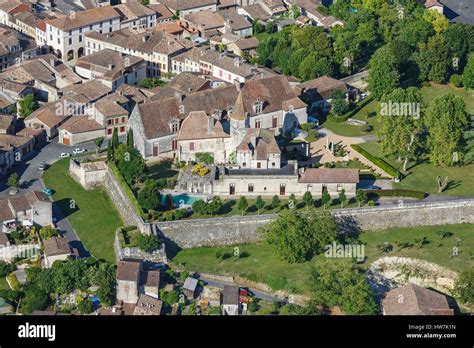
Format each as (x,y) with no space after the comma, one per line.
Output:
(258,106)
(174,126)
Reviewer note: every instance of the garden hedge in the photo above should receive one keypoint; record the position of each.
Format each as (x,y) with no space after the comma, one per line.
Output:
(379,162)
(396,193)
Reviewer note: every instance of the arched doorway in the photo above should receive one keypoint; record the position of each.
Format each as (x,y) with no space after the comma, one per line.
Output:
(70,55)
(80,52)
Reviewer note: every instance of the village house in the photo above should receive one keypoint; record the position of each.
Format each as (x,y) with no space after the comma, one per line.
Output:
(148,305)
(43,75)
(134,14)
(154,46)
(230,300)
(245,46)
(318,93)
(162,14)
(7,124)
(308,8)
(13,149)
(56,249)
(236,24)
(255,12)
(31,208)
(10,48)
(150,283)
(66,34)
(189,287)
(274,8)
(128,276)
(412,299)
(9,8)
(133,282)
(111,68)
(184,7)
(79,129)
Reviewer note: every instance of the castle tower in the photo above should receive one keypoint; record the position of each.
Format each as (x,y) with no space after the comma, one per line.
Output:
(238,118)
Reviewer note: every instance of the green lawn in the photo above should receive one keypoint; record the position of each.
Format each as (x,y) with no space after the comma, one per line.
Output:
(428,93)
(349,130)
(435,90)
(422,176)
(94,217)
(259,263)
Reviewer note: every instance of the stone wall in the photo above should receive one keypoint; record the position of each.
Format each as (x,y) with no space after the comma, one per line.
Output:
(236,230)
(122,203)
(212,232)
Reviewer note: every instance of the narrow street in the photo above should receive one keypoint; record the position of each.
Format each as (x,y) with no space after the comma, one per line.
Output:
(30,179)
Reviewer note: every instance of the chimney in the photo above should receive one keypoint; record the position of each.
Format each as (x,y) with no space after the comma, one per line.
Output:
(210,125)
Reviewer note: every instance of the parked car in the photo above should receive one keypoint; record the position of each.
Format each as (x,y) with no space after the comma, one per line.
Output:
(363,96)
(64,155)
(42,166)
(78,150)
(372,187)
(47,191)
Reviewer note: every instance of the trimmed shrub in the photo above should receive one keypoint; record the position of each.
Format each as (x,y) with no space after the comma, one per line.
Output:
(379,162)
(397,193)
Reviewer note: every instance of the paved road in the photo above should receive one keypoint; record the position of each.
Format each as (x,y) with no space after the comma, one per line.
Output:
(258,294)
(30,178)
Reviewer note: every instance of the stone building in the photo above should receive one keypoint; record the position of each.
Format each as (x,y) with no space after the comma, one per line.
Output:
(201,133)
(412,299)
(34,207)
(128,275)
(134,282)
(259,150)
(56,249)
(284,181)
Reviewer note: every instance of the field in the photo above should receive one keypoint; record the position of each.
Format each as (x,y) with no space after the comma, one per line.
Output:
(93,216)
(258,262)
(422,176)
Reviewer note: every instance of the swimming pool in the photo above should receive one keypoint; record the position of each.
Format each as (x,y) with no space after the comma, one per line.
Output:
(182,199)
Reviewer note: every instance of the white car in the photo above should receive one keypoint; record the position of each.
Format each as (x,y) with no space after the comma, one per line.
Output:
(78,150)
(64,155)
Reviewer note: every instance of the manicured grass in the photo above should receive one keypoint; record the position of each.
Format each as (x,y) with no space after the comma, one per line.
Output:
(4,284)
(349,130)
(438,250)
(435,90)
(258,261)
(422,177)
(94,217)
